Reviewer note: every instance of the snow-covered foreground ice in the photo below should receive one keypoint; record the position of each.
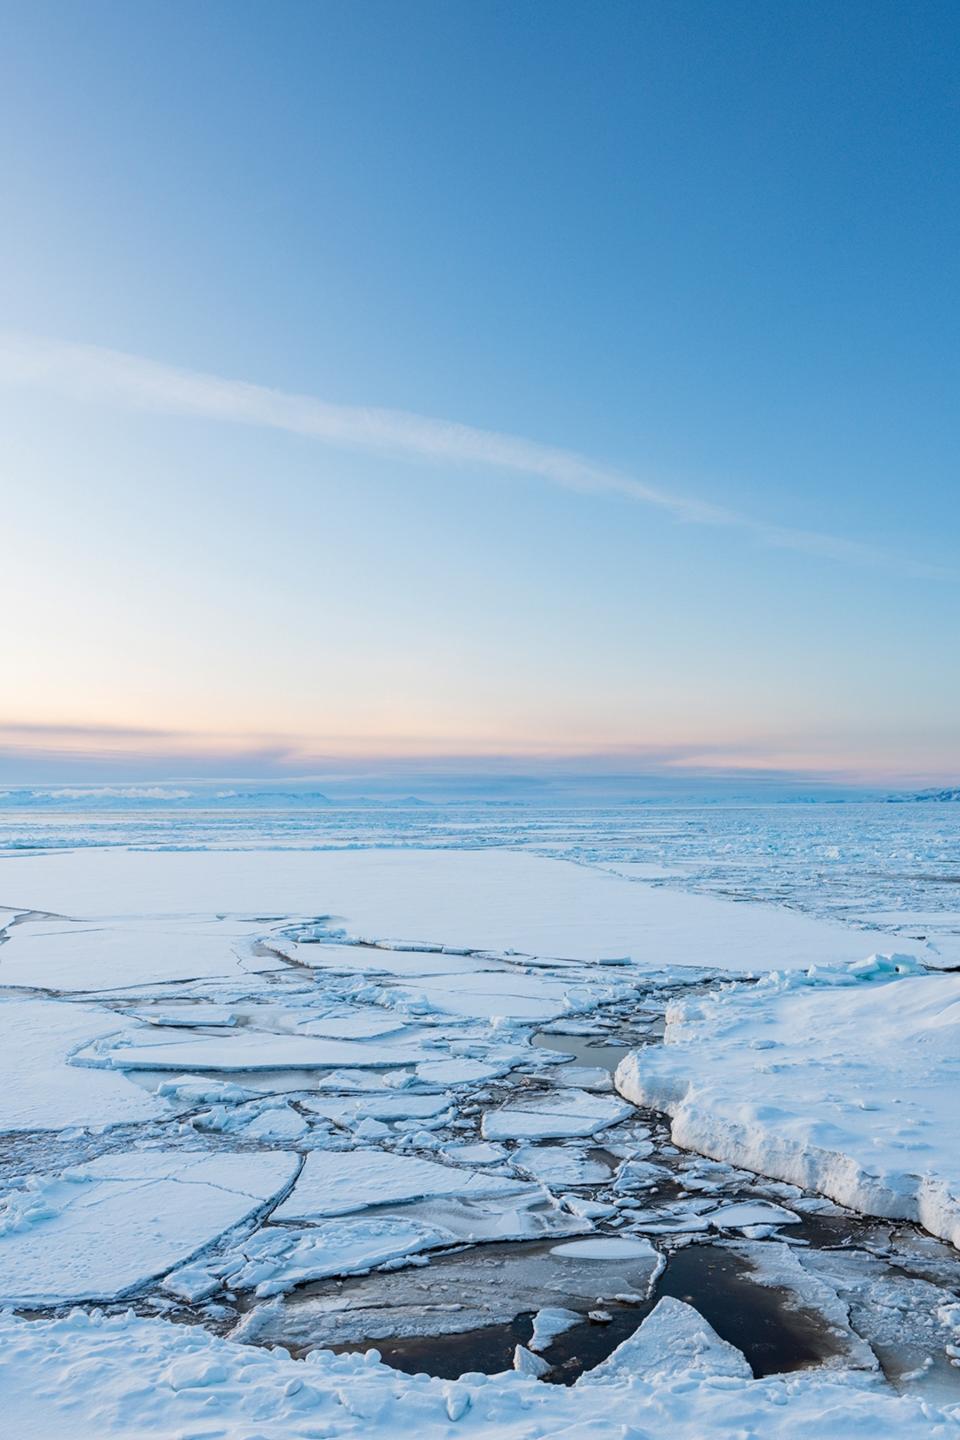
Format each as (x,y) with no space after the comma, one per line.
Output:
(842,1081)
(125,1378)
(331,1098)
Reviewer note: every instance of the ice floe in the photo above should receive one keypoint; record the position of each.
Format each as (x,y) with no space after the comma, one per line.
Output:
(113,1225)
(673,1340)
(560,1165)
(551,1321)
(488,900)
(559,1114)
(250,1050)
(837,1081)
(40,1090)
(338,1182)
(82,956)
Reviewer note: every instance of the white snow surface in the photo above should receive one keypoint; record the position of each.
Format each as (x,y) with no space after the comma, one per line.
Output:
(837,1081)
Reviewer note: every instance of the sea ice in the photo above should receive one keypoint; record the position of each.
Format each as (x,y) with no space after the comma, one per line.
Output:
(71,956)
(251,1050)
(602,1248)
(113,1225)
(477,899)
(551,1321)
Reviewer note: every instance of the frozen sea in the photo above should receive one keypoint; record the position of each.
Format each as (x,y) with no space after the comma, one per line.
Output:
(508,1119)
(896,864)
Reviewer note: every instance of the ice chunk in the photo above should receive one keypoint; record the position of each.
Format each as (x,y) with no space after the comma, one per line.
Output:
(750,1213)
(551,1321)
(620,1248)
(478,1152)
(459,1072)
(526,1363)
(673,1340)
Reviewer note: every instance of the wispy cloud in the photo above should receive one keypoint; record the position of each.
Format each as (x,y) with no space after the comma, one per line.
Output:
(90,372)
(67,754)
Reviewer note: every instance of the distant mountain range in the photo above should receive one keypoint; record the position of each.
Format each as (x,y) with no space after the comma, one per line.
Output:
(951,793)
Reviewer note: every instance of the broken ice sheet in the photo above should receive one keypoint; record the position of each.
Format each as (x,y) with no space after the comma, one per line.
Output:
(514,996)
(346,1109)
(582,1077)
(749,1213)
(112,1226)
(336,1182)
(776,1265)
(279,1258)
(186,1014)
(352,1025)
(371,960)
(459,1291)
(455,1071)
(85,955)
(912,1325)
(475,1152)
(556,1115)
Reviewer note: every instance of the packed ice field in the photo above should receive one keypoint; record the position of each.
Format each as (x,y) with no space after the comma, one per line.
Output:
(491,1121)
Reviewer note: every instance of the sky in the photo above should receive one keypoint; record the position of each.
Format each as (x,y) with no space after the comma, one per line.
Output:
(480,383)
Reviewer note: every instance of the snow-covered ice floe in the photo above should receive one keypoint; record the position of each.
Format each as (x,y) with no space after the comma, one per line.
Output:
(109,1227)
(673,1340)
(840,1080)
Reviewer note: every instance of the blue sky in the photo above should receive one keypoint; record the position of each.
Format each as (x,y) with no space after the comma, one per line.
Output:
(706,251)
